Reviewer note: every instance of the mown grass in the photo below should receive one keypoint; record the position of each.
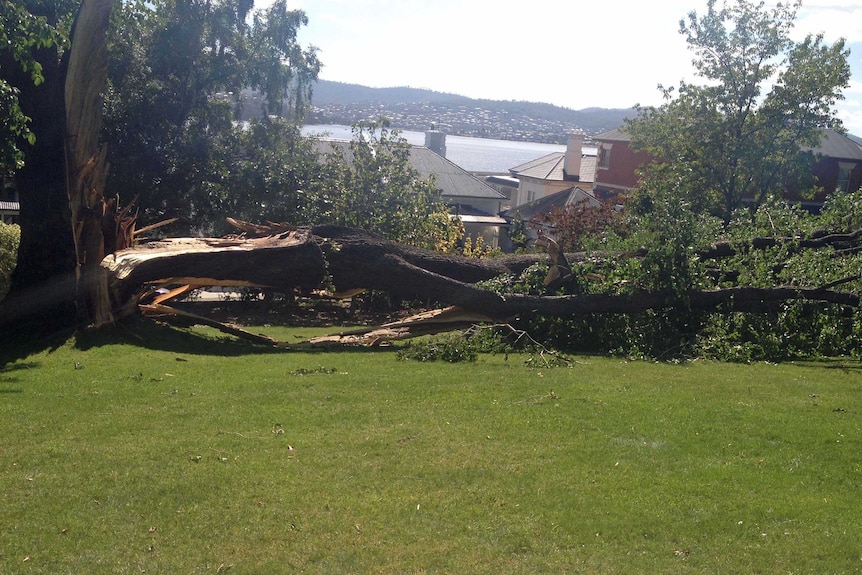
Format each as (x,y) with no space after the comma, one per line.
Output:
(149,450)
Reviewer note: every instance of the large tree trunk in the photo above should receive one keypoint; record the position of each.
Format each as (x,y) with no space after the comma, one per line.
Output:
(86,168)
(342,258)
(58,281)
(348,259)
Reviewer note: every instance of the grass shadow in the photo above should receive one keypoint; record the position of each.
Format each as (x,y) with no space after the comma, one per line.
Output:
(159,336)
(7,376)
(17,367)
(28,343)
(845,364)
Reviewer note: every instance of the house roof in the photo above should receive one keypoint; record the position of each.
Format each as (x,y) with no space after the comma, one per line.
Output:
(484,220)
(508,181)
(838,146)
(546,204)
(451,179)
(615,135)
(833,145)
(550,167)
(588,168)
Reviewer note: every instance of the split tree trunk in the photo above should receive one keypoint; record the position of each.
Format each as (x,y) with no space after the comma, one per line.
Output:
(347,259)
(58,281)
(86,168)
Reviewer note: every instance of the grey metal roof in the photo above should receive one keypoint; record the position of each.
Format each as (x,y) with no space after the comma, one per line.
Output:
(548,167)
(452,180)
(551,167)
(487,220)
(588,168)
(545,205)
(508,181)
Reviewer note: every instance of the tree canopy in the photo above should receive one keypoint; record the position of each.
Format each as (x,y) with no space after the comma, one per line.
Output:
(23,34)
(174,89)
(372,185)
(178,74)
(744,132)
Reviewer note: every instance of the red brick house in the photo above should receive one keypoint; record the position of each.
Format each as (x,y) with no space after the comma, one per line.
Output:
(616,164)
(838,166)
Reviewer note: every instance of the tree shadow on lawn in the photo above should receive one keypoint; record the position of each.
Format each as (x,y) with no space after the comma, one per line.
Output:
(159,336)
(844,364)
(27,338)
(25,343)
(8,378)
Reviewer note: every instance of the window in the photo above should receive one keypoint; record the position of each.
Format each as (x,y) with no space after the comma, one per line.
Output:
(843,185)
(604,156)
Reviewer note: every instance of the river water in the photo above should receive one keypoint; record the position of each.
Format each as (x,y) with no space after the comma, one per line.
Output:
(471,154)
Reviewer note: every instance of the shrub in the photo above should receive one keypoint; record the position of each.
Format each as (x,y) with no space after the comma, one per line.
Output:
(450,348)
(10,238)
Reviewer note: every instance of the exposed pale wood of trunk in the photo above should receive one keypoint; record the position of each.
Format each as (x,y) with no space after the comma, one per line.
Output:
(86,168)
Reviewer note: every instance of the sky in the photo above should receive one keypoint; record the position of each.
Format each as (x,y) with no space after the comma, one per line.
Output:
(576,53)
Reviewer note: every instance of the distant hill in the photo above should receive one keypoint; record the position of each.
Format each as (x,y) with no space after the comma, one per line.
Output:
(419,109)
(327,92)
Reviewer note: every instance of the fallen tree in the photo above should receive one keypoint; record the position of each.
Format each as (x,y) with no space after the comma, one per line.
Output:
(345,260)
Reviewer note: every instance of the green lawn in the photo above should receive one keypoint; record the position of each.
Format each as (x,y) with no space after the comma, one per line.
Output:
(150,450)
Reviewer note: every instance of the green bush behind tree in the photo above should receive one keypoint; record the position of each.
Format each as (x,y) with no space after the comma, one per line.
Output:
(665,240)
(10,237)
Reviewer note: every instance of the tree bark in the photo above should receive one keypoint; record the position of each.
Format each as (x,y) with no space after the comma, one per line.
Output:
(58,281)
(86,168)
(838,241)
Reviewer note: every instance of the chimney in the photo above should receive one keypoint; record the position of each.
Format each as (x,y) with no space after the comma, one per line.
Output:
(574,151)
(436,141)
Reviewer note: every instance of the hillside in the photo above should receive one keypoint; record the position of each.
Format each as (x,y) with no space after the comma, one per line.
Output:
(420,109)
